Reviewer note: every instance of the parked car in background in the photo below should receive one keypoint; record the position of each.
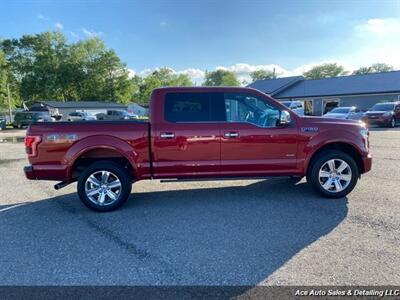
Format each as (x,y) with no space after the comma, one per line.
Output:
(383,114)
(2,123)
(296,106)
(81,116)
(349,113)
(26,118)
(115,115)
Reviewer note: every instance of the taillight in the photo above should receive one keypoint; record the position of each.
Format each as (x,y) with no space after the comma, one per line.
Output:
(31,142)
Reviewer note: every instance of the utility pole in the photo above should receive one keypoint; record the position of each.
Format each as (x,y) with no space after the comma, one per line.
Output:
(9,101)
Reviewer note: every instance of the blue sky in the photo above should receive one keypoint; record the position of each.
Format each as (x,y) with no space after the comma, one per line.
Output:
(192,36)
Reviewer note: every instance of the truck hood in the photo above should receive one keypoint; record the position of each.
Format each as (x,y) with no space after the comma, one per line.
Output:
(336,115)
(319,121)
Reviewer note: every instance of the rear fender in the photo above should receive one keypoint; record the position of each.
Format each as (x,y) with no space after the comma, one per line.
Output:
(99,142)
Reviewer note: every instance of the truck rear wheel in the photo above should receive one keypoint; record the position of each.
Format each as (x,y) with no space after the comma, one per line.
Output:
(333,174)
(104,186)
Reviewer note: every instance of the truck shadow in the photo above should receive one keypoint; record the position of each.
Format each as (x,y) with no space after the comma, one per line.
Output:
(237,235)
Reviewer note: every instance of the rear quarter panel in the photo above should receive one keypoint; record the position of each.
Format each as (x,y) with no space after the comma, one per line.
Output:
(62,143)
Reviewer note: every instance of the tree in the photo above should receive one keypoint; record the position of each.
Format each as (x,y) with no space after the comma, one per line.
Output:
(3,81)
(375,68)
(221,78)
(262,75)
(6,78)
(325,71)
(159,78)
(45,67)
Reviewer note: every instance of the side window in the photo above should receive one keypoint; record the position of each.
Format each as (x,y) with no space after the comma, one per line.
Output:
(193,107)
(250,109)
(109,113)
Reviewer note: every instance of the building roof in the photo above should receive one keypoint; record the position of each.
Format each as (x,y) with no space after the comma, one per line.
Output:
(81,104)
(374,83)
(274,86)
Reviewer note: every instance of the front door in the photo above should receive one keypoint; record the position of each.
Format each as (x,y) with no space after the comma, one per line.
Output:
(253,143)
(187,143)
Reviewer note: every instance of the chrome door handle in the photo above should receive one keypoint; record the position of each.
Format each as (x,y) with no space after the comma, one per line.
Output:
(167,135)
(231,134)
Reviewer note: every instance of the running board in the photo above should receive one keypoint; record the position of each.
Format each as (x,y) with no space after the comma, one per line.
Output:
(224,178)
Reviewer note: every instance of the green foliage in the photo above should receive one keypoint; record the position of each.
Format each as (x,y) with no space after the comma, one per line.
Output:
(261,75)
(221,78)
(375,68)
(325,71)
(45,66)
(6,78)
(159,78)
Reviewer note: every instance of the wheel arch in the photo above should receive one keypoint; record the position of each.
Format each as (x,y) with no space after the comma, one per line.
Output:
(345,147)
(94,148)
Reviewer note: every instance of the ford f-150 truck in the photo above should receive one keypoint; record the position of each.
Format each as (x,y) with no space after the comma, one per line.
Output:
(196,133)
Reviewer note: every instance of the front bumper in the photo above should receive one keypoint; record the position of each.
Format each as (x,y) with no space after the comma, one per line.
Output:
(378,121)
(367,162)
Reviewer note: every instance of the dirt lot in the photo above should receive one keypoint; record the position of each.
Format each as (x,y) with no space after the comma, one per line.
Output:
(230,232)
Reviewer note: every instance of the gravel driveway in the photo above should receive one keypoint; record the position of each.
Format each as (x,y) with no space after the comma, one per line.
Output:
(245,232)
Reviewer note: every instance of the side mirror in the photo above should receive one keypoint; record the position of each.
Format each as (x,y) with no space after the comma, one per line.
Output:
(284,118)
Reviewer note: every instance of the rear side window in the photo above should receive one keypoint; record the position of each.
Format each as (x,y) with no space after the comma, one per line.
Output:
(194,107)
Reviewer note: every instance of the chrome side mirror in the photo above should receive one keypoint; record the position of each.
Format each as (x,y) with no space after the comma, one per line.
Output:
(284,118)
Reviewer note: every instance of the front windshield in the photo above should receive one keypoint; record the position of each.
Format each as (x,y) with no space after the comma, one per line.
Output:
(340,111)
(383,107)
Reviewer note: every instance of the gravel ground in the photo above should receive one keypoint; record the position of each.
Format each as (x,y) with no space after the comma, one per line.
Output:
(247,232)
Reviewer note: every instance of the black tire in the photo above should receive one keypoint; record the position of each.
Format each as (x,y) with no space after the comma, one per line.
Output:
(317,163)
(117,171)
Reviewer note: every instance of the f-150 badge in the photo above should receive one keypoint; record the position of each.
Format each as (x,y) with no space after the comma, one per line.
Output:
(309,129)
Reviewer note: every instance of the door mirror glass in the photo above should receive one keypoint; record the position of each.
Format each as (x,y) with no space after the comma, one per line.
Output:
(284,118)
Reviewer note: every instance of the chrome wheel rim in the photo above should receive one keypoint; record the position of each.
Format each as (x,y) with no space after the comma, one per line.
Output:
(103,188)
(393,122)
(335,175)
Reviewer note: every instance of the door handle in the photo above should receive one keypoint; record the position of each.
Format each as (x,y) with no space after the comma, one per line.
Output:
(167,135)
(231,134)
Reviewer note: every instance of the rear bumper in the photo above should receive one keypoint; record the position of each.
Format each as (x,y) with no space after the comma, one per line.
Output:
(367,161)
(29,173)
(47,172)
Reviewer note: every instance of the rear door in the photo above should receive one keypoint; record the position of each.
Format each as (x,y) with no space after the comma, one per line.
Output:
(252,141)
(187,143)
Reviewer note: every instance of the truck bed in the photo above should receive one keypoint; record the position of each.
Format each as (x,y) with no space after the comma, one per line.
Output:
(63,142)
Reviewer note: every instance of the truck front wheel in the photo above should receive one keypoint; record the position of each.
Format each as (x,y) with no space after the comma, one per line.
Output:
(333,174)
(104,186)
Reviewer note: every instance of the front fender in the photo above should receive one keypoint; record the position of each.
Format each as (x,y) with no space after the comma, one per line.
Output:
(99,142)
(331,137)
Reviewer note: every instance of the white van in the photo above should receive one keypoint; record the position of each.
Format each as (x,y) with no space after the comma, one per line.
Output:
(296,106)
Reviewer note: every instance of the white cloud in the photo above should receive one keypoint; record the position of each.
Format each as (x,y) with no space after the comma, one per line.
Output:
(386,26)
(91,33)
(43,18)
(377,41)
(163,23)
(193,73)
(59,26)
(131,73)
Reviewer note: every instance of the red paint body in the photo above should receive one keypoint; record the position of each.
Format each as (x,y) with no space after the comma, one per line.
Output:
(198,149)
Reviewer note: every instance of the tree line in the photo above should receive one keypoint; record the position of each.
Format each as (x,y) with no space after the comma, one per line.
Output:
(46,67)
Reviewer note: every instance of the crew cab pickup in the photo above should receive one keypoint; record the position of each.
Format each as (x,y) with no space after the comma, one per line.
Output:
(196,133)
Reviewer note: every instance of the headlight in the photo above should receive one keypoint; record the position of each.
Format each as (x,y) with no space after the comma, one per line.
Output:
(388,113)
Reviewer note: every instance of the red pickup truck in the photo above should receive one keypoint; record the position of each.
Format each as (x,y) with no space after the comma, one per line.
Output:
(197,133)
